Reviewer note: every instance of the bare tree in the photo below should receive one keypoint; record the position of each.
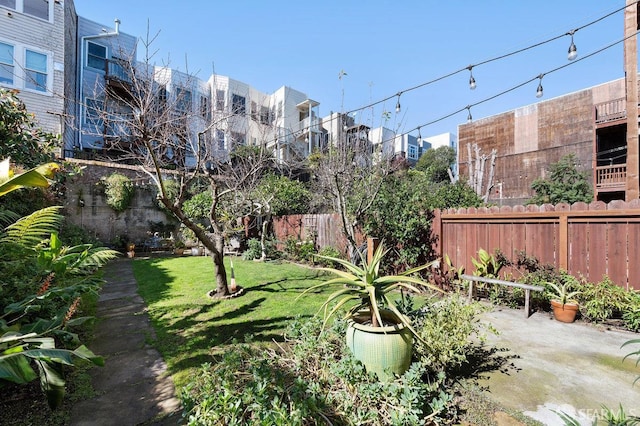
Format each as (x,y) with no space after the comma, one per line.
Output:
(349,175)
(476,167)
(151,118)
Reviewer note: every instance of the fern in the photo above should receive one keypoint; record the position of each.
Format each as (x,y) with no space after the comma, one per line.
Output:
(30,230)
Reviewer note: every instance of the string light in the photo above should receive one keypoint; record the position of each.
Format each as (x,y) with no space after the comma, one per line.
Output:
(539,91)
(497,58)
(472,81)
(573,50)
(419,135)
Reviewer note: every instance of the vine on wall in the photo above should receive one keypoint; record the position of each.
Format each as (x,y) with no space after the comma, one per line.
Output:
(119,191)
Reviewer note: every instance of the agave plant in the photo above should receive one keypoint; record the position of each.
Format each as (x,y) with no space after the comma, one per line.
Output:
(367,289)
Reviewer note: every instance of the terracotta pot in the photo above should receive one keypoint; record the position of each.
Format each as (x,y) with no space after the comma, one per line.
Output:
(380,349)
(564,313)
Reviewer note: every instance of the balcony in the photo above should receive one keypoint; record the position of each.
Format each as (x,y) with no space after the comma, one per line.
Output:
(611,178)
(614,110)
(118,78)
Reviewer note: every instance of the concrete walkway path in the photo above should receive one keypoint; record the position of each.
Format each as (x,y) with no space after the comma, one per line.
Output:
(572,368)
(133,387)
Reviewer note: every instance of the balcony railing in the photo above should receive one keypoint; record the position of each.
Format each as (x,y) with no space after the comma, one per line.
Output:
(117,69)
(308,124)
(609,177)
(611,110)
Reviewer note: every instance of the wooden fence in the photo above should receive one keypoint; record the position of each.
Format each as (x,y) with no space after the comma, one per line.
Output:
(588,240)
(324,229)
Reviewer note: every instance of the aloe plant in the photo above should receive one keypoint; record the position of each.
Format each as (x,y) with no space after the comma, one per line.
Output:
(562,293)
(367,289)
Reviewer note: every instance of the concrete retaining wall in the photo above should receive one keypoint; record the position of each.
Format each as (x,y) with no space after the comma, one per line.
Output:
(85,204)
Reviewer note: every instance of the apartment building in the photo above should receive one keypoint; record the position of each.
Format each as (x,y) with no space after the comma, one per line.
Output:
(76,76)
(406,146)
(101,64)
(37,57)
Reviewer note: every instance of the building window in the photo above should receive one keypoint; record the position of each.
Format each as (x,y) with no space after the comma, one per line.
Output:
(96,56)
(204,108)
(238,104)
(413,152)
(219,100)
(264,115)
(254,111)
(11,4)
(219,140)
(6,63)
(92,114)
(37,8)
(183,100)
(35,71)
(162,96)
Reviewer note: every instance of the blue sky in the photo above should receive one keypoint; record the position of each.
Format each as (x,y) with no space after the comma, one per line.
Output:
(385,47)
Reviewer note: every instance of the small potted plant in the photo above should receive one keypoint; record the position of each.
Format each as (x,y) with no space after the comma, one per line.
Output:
(178,247)
(378,334)
(131,250)
(564,306)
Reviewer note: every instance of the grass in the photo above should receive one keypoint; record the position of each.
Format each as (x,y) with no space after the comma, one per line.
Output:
(191,328)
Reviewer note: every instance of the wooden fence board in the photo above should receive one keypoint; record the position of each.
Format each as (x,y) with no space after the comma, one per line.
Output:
(617,251)
(578,252)
(633,261)
(597,252)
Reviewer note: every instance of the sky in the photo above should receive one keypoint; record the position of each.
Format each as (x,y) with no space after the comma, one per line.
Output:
(348,54)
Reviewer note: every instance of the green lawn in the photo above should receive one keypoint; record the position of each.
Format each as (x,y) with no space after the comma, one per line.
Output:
(191,327)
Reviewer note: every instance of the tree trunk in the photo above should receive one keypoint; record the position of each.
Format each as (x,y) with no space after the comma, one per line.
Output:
(219,270)
(263,236)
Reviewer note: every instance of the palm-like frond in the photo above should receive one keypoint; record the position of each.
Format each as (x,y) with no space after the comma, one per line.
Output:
(30,230)
(94,259)
(7,217)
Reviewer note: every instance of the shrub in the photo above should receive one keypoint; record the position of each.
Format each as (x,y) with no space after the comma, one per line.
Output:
(447,326)
(312,379)
(604,300)
(253,251)
(330,252)
(299,250)
(119,191)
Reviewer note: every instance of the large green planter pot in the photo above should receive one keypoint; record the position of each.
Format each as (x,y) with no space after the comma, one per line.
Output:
(380,349)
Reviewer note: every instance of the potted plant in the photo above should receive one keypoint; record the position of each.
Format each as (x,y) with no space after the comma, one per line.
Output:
(378,334)
(131,250)
(564,306)
(178,247)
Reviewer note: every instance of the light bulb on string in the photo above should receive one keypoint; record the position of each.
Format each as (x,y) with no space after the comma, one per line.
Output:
(419,136)
(398,104)
(469,117)
(573,50)
(472,81)
(539,91)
